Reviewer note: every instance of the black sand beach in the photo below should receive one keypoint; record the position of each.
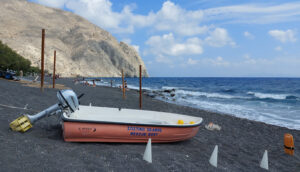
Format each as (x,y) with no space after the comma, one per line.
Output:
(241,142)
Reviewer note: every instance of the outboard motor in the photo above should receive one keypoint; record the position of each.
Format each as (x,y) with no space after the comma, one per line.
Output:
(68,102)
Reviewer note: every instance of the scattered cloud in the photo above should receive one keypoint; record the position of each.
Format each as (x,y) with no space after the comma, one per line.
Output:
(283,36)
(126,40)
(136,47)
(192,62)
(248,35)
(168,45)
(219,61)
(278,48)
(172,17)
(179,35)
(163,59)
(254,13)
(214,62)
(249,60)
(219,38)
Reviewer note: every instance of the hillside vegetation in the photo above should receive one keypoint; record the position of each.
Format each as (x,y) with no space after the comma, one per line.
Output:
(9,59)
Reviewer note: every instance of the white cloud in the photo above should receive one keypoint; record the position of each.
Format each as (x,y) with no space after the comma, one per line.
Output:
(126,40)
(249,60)
(283,36)
(248,35)
(173,18)
(136,47)
(215,62)
(168,45)
(219,38)
(219,61)
(170,17)
(278,48)
(163,59)
(100,12)
(255,13)
(192,62)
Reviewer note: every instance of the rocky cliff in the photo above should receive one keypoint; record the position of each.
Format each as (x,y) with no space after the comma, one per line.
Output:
(82,48)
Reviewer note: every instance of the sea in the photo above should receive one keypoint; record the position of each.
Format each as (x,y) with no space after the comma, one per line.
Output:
(270,100)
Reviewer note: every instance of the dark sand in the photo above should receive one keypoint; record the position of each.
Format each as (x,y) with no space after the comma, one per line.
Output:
(241,142)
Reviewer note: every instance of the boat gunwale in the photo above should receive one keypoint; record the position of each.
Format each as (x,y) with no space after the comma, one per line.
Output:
(127,123)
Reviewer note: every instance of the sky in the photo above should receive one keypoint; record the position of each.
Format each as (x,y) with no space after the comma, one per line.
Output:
(201,38)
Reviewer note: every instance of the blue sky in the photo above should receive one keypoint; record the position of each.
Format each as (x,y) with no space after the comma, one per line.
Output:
(202,38)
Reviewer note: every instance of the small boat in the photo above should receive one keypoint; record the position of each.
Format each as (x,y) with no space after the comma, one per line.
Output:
(103,124)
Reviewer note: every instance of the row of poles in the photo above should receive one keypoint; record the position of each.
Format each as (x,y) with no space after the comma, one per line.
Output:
(54,64)
(140,88)
(43,62)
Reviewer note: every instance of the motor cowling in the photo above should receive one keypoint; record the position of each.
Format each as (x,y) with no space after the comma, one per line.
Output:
(68,99)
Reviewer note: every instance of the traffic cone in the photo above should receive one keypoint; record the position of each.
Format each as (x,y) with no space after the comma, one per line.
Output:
(214,157)
(264,161)
(148,152)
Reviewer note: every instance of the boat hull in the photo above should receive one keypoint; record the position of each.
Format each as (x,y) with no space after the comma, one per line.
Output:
(105,132)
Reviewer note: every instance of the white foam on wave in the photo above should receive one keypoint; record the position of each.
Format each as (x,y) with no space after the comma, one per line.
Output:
(133,87)
(268,95)
(100,83)
(245,112)
(209,95)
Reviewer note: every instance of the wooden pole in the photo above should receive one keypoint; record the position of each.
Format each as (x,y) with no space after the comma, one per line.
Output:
(54,63)
(140,86)
(42,61)
(123,87)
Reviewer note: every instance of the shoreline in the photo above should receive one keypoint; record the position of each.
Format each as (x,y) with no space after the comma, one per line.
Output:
(241,141)
(168,95)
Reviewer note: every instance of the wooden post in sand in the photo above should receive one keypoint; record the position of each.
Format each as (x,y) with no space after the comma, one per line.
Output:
(54,63)
(140,86)
(42,60)
(123,87)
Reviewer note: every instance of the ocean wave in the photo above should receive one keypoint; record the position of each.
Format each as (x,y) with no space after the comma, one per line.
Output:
(229,90)
(169,88)
(133,87)
(205,94)
(271,96)
(241,111)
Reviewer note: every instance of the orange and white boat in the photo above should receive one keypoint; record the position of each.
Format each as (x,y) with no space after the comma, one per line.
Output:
(102,124)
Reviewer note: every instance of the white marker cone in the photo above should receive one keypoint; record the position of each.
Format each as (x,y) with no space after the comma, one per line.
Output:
(214,157)
(148,152)
(264,161)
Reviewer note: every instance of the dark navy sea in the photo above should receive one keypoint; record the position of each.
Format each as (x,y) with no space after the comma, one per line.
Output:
(271,100)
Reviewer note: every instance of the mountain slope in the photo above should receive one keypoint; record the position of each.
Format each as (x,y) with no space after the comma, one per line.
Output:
(82,47)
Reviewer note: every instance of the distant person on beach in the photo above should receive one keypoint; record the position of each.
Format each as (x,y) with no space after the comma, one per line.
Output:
(125,84)
(21,73)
